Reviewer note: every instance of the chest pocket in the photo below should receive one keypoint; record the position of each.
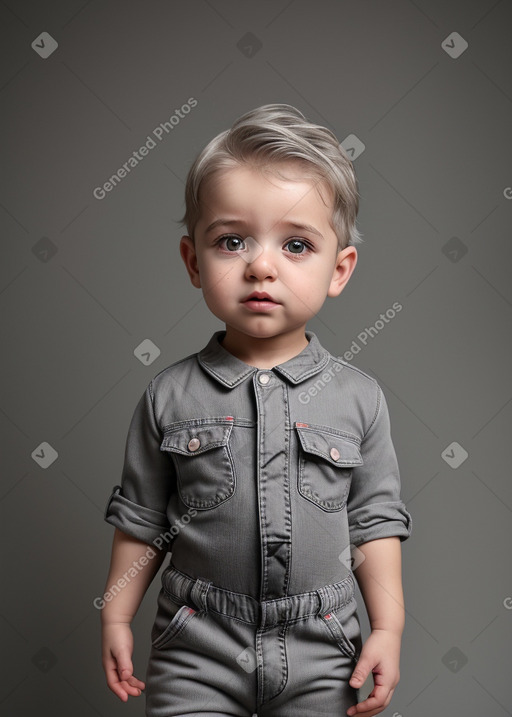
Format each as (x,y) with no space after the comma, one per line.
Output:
(326,459)
(201,454)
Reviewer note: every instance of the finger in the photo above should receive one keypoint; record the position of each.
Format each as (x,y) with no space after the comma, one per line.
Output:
(371,713)
(116,686)
(123,689)
(112,677)
(124,664)
(119,672)
(131,689)
(366,713)
(373,704)
(134,682)
(360,673)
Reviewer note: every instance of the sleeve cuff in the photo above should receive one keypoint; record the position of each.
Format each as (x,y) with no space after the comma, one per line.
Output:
(379,520)
(136,520)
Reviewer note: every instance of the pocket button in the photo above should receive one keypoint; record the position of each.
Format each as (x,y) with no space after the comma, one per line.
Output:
(335,454)
(193,444)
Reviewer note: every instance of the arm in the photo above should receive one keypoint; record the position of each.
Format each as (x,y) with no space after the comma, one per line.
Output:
(137,509)
(379,577)
(118,612)
(378,522)
(380,580)
(125,552)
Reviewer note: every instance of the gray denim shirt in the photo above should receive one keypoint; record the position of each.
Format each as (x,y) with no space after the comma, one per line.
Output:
(260,480)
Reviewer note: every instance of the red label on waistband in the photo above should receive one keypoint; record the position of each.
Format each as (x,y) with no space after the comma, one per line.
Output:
(302,425)
(229,418)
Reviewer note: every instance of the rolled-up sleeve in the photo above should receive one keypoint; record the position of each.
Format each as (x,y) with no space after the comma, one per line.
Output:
(138,506)
(374,506)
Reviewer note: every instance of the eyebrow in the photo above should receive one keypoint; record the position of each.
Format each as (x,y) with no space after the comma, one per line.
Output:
(231,222)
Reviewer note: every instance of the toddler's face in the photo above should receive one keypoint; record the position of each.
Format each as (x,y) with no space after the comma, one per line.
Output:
(260,233)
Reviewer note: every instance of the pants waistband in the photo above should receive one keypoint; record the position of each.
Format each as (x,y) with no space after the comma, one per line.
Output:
(205,596)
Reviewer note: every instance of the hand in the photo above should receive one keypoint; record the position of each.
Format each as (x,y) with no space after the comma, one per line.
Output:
(380,655)
(117,649)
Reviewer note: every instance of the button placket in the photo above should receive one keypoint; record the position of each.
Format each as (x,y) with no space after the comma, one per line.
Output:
(273,484)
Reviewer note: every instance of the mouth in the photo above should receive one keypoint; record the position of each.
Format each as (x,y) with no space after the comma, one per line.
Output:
(260,301)
(260,296)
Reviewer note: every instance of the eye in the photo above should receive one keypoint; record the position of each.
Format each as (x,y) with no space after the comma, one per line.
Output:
(298,246)
(233,243)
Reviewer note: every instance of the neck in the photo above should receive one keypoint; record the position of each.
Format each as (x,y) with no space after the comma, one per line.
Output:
(266,352)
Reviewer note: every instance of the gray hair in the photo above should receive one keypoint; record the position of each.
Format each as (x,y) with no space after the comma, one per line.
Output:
(278,133)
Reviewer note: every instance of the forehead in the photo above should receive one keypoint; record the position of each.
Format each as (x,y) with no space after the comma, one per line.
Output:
(281,185)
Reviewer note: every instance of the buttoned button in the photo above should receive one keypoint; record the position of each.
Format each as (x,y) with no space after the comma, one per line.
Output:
(194,444)
(264,378)
(335,454)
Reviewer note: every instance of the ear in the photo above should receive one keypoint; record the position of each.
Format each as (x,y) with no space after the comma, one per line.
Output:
(189,256)
(345,264)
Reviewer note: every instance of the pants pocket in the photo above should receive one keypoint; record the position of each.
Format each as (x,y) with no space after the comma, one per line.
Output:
(171,620)
(343,627)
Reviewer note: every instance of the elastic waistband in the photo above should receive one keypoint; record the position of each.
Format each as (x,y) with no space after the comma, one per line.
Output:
(203,595)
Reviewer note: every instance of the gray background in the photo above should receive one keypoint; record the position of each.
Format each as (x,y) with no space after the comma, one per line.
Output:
(84,281)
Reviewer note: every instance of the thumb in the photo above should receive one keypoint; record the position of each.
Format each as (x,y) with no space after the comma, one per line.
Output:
(360,673)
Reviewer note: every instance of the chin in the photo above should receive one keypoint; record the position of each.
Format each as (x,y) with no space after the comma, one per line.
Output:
(255,333)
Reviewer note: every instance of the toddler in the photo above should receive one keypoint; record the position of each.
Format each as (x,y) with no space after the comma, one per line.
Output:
(262,463)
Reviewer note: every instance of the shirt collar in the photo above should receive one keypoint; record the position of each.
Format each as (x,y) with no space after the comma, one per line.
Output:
(230,370)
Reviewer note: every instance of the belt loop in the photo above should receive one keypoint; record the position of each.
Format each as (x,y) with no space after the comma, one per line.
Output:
(199,594)
(332,597)
(323,601)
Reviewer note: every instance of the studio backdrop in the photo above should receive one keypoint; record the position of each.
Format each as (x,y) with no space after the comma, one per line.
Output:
(105,104)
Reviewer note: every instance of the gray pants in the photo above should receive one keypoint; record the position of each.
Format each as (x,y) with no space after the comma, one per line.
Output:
(215,652)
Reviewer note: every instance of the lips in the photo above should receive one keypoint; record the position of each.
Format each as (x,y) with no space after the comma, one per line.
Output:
(260,296)
(260,302)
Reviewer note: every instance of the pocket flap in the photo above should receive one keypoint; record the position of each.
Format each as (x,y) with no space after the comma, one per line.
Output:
(196,437)
(338,450)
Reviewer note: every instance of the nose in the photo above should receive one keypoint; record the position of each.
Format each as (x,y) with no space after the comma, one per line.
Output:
(259,259)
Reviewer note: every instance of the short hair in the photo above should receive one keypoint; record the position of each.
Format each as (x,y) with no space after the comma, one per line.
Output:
(275,133)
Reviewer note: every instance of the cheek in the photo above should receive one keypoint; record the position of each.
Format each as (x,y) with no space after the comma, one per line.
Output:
(314,291)
(229,274)
(217,283)
(312,299)
(212,273)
